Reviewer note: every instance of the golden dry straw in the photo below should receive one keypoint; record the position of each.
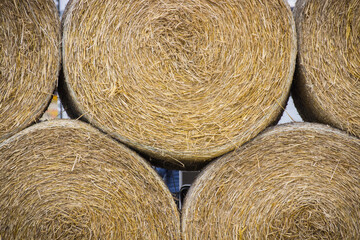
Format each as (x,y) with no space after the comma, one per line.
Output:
(66,180)
(327,84)
(29,61)
(183,81)
(295,181)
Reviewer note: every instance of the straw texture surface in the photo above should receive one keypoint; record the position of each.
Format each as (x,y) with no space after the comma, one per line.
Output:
(327,84)
(183,81)
(296,181)
(29,61)
(66,180)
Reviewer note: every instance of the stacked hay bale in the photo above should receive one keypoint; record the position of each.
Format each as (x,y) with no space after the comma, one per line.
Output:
(296,181)
(182,81)
(29,61)
(66,180)
(327,84)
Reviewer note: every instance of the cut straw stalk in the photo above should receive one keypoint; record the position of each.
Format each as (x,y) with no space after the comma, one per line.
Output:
(295,181)
(182,81)
(29,61)
(66,180)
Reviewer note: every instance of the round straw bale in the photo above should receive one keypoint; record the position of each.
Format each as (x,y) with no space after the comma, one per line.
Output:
(66,180)
(183,81)
(327,83)
(29,61)
(295,181)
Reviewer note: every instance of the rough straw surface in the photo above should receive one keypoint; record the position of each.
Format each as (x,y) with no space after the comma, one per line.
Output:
(66,180)
(296,181)
(183,81)
(29,61)
(327,84)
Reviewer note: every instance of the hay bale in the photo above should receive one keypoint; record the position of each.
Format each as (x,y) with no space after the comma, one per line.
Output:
(182,81)
(296,181)
(29,61)
(327,84)
(66,180)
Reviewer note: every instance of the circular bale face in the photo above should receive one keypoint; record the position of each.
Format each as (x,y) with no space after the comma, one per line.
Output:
(182,81)
(29,61)
(296,181)
(66,180)
(327,83)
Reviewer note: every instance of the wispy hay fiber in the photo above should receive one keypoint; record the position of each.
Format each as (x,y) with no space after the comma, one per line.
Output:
(296,181)
(327,84)
(29,61)
(183,81)
(66,180)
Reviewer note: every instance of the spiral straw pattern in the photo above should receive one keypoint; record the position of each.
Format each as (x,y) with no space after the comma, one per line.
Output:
(29,61)
(327,84)
(295,181)
(66,180)
(182,81)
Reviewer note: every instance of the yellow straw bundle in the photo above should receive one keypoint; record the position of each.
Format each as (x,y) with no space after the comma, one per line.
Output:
(66,180)
(29,61)
(327,84)
(296,181)
(182,81)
